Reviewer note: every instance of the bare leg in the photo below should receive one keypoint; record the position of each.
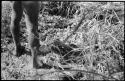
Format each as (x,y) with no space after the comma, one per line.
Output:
(17,12)
(31,16)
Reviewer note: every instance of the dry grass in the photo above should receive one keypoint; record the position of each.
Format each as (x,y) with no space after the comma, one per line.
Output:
(100,38)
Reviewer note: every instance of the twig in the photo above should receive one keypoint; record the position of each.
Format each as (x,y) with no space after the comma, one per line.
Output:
(80,71)
(75,28)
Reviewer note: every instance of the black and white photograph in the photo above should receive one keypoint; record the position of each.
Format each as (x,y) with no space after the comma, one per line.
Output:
(62,40)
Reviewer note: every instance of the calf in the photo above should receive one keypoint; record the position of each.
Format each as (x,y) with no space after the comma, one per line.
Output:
(31,9)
